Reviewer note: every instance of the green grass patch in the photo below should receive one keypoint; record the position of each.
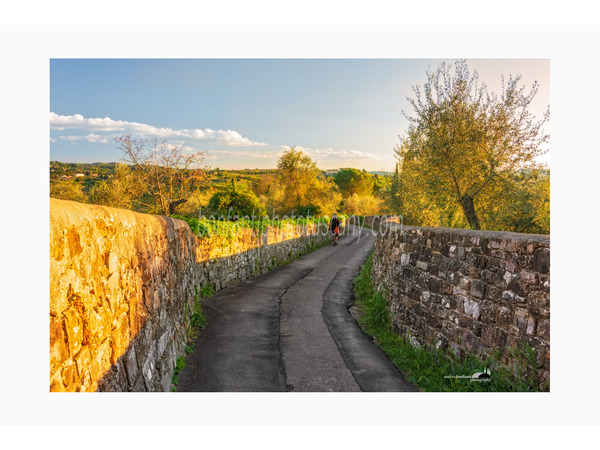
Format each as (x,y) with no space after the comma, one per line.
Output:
(434,370)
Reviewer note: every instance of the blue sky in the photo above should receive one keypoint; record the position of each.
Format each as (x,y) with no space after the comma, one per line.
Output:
(245,112)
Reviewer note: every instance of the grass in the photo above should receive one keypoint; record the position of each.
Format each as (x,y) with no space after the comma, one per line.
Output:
(434,370)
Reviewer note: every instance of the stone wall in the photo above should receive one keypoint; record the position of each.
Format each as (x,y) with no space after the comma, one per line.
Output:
(121,283)
(224,262)
(472,291)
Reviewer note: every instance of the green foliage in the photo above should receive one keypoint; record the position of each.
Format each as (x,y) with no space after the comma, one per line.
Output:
(121,191)
(301,186)
(523,205)
(463,142)
(236,200)
(264,190)
(179,366)
(431,369)
(209,227)
(205,292)
(67,190)
(381,183)
(365,204)
(354,182)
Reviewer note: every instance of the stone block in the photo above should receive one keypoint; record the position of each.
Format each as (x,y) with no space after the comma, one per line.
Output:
(498,254)
(472,308)
(529,277)
(495,263)
(131,364)
(478,288)
(70,377)
(488,311)
(471,343)
(488,335)
(488,277)
(474,273)
(521,319)
(59,351)
(543,328)
(440,342)
(504,316)
(449,302)
(541,260)
(83,361)
(512,263)
(465,283)
(74,329)
(422,265)
(492,293)
(462,321)
(56,384)
(149,367)
(512,297)
(164,340)
(102,359)
(530,325)
(516,287)
(434,321)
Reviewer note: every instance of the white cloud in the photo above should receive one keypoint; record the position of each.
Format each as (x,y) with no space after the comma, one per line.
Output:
(77,121)
(330,153)
(245,154)
(90,138)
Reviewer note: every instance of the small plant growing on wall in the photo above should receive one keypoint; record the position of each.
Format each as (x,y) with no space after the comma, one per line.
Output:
(195,321)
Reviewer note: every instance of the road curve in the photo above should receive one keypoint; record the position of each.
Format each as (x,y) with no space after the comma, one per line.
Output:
(290,330)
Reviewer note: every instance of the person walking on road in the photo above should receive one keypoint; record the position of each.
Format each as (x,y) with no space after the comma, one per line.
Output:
(334,228)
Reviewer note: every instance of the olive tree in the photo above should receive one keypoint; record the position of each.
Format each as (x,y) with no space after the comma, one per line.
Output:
(464,139)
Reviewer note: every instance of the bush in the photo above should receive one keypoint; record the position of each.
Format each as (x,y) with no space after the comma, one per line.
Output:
(238,200)
(67,190)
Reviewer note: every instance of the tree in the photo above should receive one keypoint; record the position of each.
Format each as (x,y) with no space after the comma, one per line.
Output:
(464,140)
(170,173)
(354,181)
(236,199)
(366,205)
(121,191)
(381,184)
(297,171)
(302,185)
(521,205)
(67,190)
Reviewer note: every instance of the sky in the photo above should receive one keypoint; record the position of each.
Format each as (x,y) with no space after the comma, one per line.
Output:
(246,112)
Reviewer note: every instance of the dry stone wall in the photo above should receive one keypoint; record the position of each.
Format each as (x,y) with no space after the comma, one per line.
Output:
(472,291)
(121,284)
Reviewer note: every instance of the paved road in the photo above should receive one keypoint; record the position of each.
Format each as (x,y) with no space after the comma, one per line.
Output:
(290,330)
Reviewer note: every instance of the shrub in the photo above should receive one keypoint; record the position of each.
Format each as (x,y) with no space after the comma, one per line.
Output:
(237,199)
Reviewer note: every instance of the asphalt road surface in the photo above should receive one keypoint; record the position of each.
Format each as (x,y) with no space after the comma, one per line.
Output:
(290,330)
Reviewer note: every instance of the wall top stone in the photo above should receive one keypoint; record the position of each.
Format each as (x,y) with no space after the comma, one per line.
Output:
(507,235)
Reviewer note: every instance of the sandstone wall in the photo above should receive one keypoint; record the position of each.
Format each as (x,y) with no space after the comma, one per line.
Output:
(474,291)
(121,283)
